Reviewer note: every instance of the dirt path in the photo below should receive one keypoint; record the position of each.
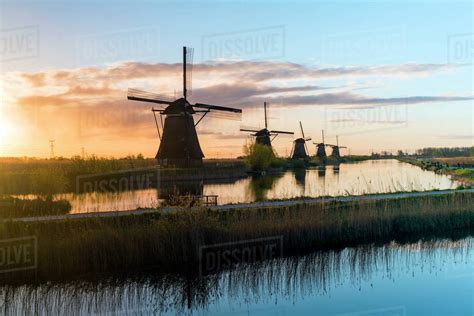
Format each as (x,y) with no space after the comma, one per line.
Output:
(241,206)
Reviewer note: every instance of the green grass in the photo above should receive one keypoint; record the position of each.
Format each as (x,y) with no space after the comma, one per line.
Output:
(465,174)
(170,242)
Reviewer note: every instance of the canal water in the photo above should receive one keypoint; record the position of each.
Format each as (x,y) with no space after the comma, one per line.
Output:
(425,278)
(373,176)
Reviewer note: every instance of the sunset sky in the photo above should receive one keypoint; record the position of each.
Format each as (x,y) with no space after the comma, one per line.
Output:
(382,76)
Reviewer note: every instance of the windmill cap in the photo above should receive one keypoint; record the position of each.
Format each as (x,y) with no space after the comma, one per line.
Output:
(178,106)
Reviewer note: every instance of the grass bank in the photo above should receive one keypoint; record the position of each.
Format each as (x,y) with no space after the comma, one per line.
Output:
(170,242)
(49,176)
(459,168)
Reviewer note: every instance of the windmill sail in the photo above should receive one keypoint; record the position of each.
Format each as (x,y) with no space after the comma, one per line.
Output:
(189,70)
(140,95)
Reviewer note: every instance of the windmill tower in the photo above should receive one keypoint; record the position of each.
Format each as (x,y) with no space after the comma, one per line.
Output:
(51,145)
(179,146)
(263,136)
(300,151)
(321,148)
(336,149)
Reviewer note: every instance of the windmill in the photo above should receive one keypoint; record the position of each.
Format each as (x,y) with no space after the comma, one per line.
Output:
(335,149)
(300,151)
(321,148)
(262,136)
(179,146)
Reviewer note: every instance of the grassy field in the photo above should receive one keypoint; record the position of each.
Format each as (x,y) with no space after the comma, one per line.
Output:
(460,168)
(455,161)
(50,176)
(170,242)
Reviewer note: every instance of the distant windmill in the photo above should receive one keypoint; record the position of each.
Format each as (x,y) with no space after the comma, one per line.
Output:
(179,144)
(262,136)
(300,151)
(335,148)
(321,148)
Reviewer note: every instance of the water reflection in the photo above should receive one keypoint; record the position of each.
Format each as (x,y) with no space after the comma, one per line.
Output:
(377,176)
(390,274)
(300,177)
(260,186)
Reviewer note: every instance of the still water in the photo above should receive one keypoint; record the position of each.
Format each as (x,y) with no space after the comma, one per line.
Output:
(373,176)
(423,278)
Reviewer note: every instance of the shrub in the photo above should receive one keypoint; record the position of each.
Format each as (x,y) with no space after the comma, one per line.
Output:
(259,157)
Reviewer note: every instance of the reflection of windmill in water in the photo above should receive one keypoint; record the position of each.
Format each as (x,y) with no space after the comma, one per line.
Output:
(300,151)
(179,144)
(322,175)
(300,176)
(336,149)
(264,136)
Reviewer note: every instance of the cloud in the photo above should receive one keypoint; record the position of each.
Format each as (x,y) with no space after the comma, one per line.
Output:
(245,84)
(92,100)
(457,137)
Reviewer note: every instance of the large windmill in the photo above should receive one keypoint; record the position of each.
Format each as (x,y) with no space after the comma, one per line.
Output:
(262,136)
(300,151)
(179,146)
(335,149)
(321,148)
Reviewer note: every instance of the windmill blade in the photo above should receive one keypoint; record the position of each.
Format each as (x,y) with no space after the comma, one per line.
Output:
(301,127)
(281,132)
(189,70)
(249,130)
(307,139)
(330,145)
(342,146)
(224,115)
(140,95)
(265,105)
(217,108)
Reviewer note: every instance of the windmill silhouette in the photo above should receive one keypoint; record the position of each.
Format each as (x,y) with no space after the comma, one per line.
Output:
(321,148)
(179,146)
(335,149)
(264,136)
(300,151)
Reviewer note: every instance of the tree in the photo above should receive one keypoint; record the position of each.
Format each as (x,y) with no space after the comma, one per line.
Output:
(258,157)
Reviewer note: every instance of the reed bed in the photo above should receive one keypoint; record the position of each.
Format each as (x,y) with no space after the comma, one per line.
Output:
(170,242)
(306,276)
(11,207)
(50,176)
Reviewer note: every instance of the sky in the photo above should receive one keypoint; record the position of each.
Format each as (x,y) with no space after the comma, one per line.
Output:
(383,75)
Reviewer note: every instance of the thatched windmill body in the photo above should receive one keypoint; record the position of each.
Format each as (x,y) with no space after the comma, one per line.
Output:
(336,149)
(179,146)
(264,136)
(300,151)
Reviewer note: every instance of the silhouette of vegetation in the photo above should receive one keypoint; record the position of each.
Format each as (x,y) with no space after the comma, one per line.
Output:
(171,241)
(11,207)
(446,152)
(148,292)
(259,157)
(49,176)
